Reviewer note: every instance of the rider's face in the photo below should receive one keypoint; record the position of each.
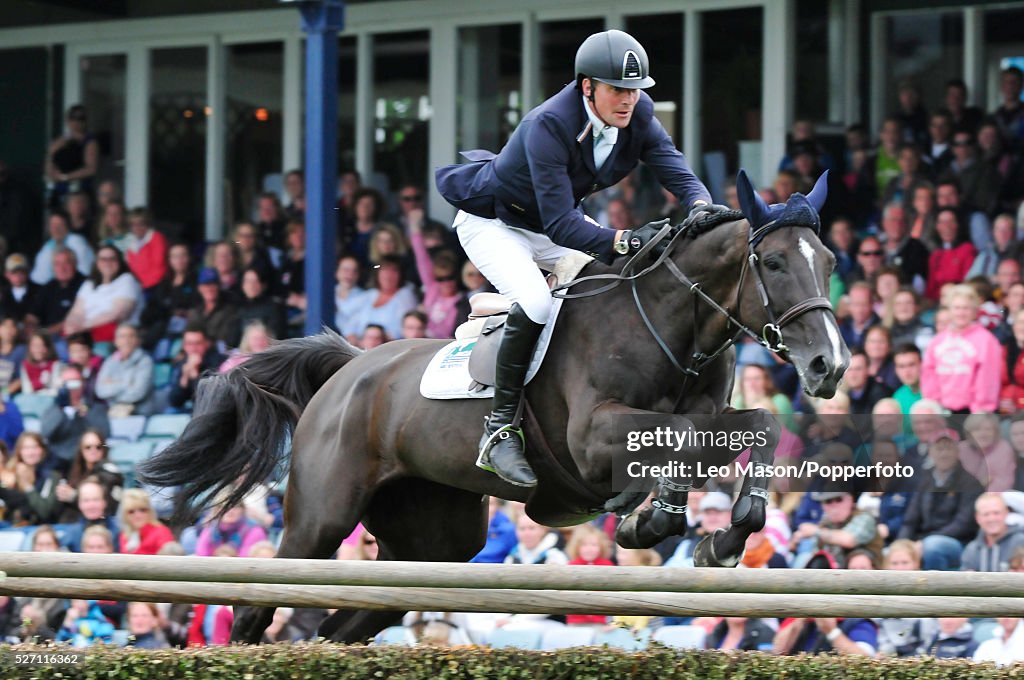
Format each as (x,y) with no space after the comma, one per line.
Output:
(613,105)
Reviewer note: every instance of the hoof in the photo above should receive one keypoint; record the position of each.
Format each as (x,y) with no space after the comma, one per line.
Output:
(704,554)
(649,527)
(627,535)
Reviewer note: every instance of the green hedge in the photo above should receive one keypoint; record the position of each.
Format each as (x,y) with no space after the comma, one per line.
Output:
(325,660)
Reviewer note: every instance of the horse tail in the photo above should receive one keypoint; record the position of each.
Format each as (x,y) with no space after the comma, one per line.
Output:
(240,430)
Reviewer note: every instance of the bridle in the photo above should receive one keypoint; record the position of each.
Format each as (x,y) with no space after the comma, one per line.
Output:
(770,337)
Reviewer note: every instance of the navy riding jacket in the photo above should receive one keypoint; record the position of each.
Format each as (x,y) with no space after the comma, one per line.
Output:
(547,168)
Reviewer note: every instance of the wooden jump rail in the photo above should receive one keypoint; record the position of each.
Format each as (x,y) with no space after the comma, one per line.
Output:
(513,588)
(511,576)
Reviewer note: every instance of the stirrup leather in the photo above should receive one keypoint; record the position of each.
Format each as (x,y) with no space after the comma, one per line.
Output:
(483,460)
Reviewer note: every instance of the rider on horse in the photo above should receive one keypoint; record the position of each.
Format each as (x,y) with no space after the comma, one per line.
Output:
(521,208)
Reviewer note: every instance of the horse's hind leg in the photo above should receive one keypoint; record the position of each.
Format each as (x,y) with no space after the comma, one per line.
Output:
(724,548)
(297,542)
(322,507)
(414,520)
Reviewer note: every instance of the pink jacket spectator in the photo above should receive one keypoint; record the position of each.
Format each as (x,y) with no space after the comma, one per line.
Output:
(962,370)
(994,469)
(236,358)
(222,622)
(441,312)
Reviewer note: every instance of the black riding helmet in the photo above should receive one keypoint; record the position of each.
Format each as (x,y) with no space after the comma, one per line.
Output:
(615,58)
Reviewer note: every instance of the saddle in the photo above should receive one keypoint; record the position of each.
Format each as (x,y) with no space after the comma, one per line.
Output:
(465,367)
(488,312)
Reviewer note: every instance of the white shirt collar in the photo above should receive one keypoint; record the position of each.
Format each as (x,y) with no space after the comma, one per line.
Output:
(600,130)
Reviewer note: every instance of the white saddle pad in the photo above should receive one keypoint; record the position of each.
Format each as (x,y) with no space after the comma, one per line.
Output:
(447,374)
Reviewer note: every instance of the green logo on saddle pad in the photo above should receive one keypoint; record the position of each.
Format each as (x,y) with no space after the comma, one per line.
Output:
(457,354)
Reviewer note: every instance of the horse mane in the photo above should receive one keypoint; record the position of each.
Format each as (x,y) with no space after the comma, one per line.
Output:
(711,220)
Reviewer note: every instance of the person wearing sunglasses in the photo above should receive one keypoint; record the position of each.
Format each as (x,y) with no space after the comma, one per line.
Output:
(439,274)
(141,532)
(870,257)
(410,199)
(520,208)
(843,528)
(411,205)
(90,461)
(980,181)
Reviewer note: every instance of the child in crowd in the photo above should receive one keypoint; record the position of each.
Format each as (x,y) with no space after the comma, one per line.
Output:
(588,545)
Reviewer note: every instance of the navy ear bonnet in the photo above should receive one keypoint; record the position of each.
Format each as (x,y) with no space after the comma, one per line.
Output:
(798,211)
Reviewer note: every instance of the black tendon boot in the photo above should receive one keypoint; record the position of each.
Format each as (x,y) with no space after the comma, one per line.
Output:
(503,448)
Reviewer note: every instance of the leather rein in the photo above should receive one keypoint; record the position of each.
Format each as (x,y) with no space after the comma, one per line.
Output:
(770,338)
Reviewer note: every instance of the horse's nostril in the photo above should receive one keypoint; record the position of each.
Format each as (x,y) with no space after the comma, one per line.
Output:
(819,365)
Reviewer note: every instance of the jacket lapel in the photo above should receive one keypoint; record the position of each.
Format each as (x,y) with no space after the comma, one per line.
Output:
(585,139)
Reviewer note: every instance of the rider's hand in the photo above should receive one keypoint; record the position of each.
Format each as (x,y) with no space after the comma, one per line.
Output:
(641,236)
(701,207)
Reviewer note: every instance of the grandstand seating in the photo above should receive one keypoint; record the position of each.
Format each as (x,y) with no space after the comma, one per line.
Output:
(161,375)
(523,638)
(395,635)
(682,637)
(32,405)
(127,429)
(11,540)
(567,636)
(165,426)
(985,629)
(622,638)
(126,455)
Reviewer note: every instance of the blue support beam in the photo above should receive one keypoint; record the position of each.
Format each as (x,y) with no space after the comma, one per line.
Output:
(321,21)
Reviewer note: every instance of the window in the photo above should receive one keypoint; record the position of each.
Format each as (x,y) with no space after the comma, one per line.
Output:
(177,140)
(254,126)
(490,80)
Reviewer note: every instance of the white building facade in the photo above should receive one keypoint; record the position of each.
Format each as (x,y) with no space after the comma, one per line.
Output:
(198,113)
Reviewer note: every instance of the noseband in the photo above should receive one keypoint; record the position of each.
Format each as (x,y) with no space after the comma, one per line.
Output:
(770,337)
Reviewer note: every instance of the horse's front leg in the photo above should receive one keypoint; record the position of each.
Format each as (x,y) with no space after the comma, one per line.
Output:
(606,439)
(662,516)
(724,548)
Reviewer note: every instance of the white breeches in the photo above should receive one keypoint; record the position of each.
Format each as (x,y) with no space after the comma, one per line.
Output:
(509,257)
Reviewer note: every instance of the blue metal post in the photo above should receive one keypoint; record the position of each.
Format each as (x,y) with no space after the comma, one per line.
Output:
(321,20)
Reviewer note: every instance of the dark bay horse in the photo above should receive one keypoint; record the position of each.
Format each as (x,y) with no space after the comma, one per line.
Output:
(366,446)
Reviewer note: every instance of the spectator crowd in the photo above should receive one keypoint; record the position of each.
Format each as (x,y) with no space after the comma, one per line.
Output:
(112,319)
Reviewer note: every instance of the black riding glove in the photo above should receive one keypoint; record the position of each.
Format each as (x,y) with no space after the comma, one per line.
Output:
(702,208)
(639,237)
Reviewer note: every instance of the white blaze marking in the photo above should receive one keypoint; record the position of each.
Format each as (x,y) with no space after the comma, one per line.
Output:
(808,252)
(833,336)
(830,325)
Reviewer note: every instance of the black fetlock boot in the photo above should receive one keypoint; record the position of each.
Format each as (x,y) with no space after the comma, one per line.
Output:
(502,447)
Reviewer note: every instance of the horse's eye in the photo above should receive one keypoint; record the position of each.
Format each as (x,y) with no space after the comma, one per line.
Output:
(773,265)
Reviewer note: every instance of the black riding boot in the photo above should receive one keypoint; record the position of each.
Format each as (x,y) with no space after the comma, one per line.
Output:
(502,447)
